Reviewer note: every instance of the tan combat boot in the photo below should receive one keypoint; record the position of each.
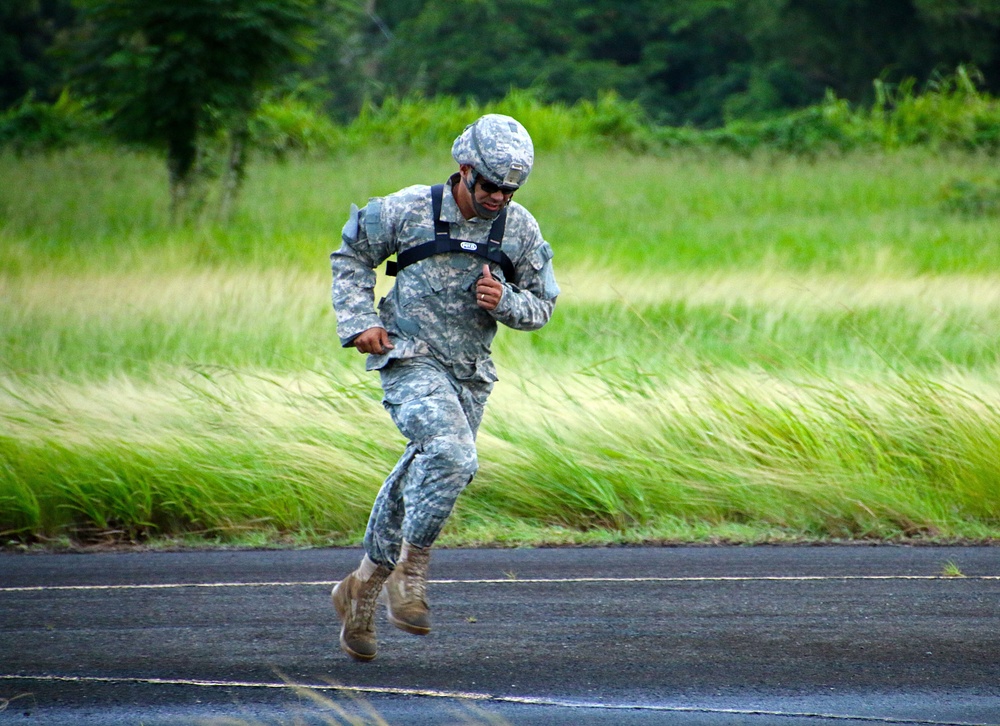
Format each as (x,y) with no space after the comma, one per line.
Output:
(406,591)
(354,597)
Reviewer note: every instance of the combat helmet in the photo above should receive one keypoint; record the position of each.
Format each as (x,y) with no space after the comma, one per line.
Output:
(498,148)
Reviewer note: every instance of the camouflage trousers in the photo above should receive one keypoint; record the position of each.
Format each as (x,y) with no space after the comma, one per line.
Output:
(439,415)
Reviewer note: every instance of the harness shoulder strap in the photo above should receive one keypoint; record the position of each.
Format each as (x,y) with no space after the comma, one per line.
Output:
(443,242)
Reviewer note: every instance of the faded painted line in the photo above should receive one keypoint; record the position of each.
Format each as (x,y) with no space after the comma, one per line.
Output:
(510,581)
(482,697)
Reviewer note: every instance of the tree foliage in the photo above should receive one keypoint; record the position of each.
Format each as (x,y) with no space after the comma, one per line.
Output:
(28,29)
(696,62)
(168,69)
(172,74)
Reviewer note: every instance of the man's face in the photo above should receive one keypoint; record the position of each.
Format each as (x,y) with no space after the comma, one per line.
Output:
(487,198)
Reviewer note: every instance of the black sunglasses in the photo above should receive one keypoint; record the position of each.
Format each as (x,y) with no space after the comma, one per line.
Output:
(491,188)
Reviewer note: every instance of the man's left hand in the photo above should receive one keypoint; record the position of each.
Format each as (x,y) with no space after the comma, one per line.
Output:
(489,290)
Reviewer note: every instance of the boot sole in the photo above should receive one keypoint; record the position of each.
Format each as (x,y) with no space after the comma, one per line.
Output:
(408,627)
(363,657)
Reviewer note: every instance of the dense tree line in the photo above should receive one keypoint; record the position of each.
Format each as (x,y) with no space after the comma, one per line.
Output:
(698,61)
(695,62)
(29,30)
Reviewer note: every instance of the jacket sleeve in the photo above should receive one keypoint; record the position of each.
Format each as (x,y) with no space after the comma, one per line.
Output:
(528,305)
(365,244)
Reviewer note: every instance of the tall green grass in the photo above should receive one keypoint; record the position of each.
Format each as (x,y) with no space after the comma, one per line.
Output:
(93,325)
(817,457)
(222,453)
(881,213)
(746,349)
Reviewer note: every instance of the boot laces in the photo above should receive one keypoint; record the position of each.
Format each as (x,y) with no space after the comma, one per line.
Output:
(415,581)
(365,605)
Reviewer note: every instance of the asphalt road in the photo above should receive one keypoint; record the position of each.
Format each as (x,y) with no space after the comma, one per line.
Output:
(688,635)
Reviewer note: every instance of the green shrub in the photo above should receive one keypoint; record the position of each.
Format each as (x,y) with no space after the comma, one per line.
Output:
(948,113)
(975,198)
(831,125)
(418,122)
(410,122)
(951,113)
(289,125)
(32,125)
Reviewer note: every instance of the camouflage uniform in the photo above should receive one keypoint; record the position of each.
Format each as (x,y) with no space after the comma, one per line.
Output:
(439,374)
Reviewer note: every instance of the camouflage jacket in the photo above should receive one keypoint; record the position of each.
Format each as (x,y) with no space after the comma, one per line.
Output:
(431,310)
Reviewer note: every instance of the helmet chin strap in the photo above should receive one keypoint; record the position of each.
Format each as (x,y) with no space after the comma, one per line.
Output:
(483,212)
(470,183)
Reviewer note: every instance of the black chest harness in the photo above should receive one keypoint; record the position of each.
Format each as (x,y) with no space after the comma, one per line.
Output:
(443,242)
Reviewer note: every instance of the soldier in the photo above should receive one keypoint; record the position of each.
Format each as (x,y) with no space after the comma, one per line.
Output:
(467,257)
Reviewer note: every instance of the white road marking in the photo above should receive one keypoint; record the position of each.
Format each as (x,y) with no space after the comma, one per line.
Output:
(472,696)
(508,581)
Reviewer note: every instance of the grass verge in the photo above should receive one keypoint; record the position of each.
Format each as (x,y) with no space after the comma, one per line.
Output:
(746,350)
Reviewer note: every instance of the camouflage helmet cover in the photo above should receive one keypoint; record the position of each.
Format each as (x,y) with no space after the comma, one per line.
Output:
(498,147)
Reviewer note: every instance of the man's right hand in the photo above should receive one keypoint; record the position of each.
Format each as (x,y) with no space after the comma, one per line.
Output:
(374,340)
